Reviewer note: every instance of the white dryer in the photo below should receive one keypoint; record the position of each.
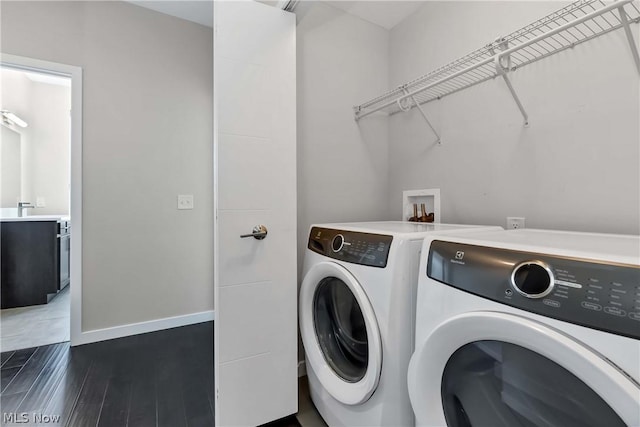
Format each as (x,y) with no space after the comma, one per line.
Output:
(527,328)
(357,303)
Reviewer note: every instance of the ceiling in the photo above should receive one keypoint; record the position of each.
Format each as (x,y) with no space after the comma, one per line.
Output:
(199,11)
(386,14)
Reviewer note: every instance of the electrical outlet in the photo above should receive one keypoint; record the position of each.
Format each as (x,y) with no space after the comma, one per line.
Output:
(185,201)
(40,202)
(515,222)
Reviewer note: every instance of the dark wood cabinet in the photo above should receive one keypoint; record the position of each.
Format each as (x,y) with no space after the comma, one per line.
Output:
(29,262)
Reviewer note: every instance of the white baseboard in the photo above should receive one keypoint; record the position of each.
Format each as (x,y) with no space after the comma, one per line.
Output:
(88,337)
(302,368)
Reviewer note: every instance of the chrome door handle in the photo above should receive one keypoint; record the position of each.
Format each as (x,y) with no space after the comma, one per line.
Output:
(259,233)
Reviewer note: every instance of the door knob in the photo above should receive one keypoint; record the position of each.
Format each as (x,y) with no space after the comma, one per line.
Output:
(259,232)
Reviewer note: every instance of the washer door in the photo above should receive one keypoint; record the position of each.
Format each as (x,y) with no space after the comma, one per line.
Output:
(496,369)
(340,333)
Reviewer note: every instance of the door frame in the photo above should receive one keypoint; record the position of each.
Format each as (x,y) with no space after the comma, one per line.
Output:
(431,356)
(75,196)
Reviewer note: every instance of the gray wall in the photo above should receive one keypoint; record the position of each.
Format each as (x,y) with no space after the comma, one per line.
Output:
(577,167)
(147,137)
(342,165)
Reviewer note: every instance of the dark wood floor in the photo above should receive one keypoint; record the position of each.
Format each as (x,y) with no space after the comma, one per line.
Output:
(158,379)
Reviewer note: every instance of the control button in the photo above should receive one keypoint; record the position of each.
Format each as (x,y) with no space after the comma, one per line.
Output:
(508,292)
(634,316)
(591,306)
(615,311)
(551,303)
(533,279)
(569,284)
(337,243)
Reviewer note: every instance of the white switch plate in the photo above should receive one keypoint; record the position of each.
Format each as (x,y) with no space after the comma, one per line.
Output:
(40,202)
(185,201)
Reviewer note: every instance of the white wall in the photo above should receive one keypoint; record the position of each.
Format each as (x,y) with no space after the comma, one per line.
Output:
(342,165)
(47,165)
(576,167)
(147,137)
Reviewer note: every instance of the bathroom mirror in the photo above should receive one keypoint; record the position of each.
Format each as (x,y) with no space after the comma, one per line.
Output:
(10,167)
(36,141)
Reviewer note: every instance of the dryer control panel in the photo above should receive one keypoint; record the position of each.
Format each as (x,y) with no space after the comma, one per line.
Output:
(351,246)
(598,295)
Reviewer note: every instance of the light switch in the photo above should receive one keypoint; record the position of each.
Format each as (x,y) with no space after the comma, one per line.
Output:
(185,201)
(40,202)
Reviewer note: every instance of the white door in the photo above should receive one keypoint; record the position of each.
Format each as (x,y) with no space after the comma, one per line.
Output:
(502,370)
(340,333)
(255,164)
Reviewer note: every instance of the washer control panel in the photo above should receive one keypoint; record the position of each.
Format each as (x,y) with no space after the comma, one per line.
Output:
(351,246)
(594,294)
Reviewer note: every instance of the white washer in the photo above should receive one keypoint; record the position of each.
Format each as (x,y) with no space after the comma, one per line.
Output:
(357,303)
(527,328)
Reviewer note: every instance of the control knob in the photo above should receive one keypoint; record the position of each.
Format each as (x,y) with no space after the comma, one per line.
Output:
(533,279)
(337,243)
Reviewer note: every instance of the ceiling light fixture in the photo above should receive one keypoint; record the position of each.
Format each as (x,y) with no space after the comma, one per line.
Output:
(9,117)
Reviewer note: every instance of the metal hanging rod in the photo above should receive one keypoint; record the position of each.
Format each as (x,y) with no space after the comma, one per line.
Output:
(563,29)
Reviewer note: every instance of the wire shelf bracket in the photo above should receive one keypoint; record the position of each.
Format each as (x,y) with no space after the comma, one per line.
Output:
(627,31)
(422,113)
(563,29)
(503,66)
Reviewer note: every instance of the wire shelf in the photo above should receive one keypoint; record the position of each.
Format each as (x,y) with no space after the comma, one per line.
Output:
(576,23)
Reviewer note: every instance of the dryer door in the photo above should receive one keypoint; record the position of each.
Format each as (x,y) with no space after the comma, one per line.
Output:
(496,369)
(340,333)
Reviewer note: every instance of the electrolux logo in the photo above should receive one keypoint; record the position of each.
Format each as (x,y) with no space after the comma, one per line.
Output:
(458,258)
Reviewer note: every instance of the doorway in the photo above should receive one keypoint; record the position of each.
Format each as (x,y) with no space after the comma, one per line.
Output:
(40,202)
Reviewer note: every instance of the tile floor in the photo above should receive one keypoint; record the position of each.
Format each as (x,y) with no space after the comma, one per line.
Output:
(37,325)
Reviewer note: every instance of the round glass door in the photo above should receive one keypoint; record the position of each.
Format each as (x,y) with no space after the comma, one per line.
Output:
(340,334)
(493,383)
(340,329)
(484,368)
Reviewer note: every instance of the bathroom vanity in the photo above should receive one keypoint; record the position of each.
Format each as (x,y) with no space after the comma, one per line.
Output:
(34,262)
